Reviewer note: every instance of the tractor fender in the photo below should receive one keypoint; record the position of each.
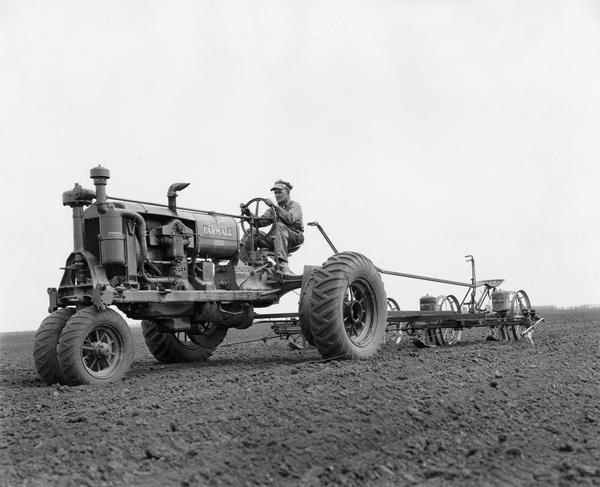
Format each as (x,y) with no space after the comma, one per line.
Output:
(308,270)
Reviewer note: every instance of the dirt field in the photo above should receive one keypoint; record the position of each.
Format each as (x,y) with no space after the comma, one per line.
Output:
(478,413)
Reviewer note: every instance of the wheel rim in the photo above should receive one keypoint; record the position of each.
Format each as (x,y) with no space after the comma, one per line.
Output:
(359,313)
(448,336)
(393,329)
(185,340)
(392,304)
(102,351)
(520,307)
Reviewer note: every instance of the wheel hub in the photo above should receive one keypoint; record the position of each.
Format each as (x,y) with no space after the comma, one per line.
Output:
(356,312)
(101,349)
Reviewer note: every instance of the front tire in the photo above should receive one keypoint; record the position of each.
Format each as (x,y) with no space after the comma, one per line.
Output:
(348,307)
(45,343)
(181,346)
(95,347)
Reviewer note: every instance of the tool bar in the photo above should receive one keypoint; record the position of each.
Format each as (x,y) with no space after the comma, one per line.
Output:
(424,278)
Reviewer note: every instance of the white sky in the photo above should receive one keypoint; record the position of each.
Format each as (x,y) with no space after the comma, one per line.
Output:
(414,132)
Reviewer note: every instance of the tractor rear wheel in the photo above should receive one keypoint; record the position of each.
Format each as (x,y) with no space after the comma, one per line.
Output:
(181,346)
(45,343)
(348,307)
(95,347)
(305,311)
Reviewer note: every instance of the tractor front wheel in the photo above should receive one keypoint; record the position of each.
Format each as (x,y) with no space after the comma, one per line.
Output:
(181,346)
(348,307)
(95,347)
(45,343)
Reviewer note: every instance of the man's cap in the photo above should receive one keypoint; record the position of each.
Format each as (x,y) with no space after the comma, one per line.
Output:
(281,184)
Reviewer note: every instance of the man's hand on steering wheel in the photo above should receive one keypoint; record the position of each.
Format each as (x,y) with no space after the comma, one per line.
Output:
(245,210)
(253,215)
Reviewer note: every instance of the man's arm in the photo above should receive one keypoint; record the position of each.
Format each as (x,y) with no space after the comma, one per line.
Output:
(292,217)
(267,218)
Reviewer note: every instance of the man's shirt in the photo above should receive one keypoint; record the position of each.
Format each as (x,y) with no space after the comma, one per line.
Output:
(290,214)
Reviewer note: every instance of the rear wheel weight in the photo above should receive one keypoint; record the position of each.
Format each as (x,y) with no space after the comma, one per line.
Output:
(348,307)
(95,347)
(181,346)
(45,343)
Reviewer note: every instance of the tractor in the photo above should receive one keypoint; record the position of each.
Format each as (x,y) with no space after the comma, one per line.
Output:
(188,276)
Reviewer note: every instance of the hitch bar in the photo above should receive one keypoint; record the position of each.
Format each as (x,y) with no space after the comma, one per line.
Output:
(391,273)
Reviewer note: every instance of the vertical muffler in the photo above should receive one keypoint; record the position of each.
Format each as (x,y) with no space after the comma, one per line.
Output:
(111,237)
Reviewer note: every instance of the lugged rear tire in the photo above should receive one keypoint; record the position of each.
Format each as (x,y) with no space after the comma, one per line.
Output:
(348,307)
(305,310)
(168,348)
(95,347)
(45,343)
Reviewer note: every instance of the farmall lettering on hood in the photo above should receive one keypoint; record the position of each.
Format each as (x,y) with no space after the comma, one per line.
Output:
(221,232)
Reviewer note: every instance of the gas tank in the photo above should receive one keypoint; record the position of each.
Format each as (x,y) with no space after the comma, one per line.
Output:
(216,236)
(427,303)
(501,301)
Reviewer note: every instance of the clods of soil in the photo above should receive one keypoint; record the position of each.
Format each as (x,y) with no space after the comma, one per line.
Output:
(479,413)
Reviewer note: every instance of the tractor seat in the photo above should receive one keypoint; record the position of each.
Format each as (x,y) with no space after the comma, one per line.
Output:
(294,248)
(291,250)
(493,283)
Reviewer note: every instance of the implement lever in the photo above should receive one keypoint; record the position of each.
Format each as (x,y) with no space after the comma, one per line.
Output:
(391,273)
(316,224)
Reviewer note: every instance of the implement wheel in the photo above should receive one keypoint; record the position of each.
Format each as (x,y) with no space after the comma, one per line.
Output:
(45,343)
(348,307)
(393,329)
(95,347)
(447,336)
(181,346)
(520,309)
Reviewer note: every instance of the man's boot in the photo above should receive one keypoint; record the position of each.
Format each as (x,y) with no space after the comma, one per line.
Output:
(284,269)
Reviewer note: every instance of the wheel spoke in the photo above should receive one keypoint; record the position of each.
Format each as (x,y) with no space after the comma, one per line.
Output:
(93,363)
(105,337)
(358,296)
(349,326)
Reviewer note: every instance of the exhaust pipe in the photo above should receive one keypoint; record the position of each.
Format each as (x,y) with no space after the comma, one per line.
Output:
(172,194)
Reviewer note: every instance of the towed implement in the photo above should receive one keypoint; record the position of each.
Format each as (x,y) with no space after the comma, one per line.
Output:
(440,320)
(190,276)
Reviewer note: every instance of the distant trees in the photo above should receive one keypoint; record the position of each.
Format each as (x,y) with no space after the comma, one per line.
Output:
(580,307)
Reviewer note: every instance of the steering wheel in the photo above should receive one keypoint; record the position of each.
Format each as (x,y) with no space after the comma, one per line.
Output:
(252,211)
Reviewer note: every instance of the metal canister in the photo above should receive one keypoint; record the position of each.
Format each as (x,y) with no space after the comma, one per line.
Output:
(501,301)
(427,303)
(112,238)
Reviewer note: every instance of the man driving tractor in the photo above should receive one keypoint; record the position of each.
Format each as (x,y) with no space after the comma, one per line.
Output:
(288,227)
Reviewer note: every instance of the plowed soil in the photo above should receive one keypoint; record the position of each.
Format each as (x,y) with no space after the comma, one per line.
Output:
(478,413)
